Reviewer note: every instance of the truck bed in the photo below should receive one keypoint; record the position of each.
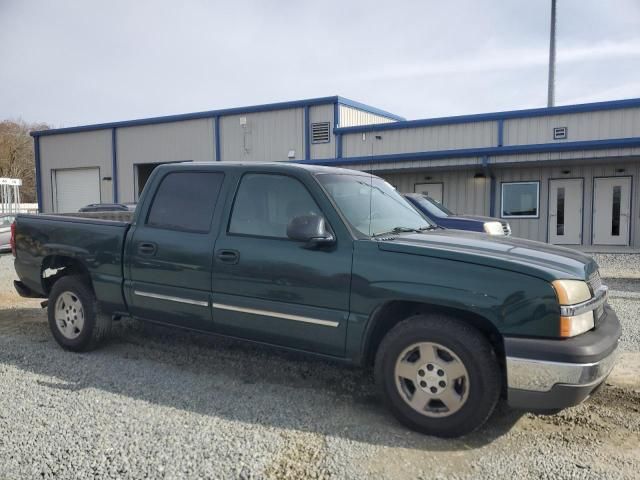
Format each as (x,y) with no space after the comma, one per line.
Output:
(94,240)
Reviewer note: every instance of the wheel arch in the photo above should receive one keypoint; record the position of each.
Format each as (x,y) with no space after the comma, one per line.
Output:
(55,267)
(393,312)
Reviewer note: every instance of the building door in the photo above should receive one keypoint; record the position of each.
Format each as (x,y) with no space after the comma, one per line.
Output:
(433,190)
(74,188)
(565,211)
(611,210)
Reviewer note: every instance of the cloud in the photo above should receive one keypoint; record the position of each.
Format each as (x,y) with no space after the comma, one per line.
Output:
(502,60)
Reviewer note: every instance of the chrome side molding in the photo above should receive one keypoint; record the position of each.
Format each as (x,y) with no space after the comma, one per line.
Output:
(268,313)
(169,298)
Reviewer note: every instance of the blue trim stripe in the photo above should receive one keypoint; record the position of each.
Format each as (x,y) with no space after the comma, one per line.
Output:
(114,164)
(492,198)
(307,133)
(336,123)
(216,134)
(213,113)
(485,151)
(36,151)
(495,116)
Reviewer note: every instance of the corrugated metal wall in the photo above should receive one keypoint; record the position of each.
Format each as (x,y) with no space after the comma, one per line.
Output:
(420,139)
(323,113)
(461,191)
(622,123)
(191,140)
(265,137)
(75,150)
(536,229)
(350,117)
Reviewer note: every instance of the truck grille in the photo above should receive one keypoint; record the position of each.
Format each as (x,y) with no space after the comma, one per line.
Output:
(595,282)
(506,228)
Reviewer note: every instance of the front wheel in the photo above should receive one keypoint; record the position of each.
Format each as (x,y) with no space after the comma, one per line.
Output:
(438,375)
(74,318)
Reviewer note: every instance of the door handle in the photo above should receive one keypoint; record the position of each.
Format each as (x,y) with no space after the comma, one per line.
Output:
(228,256)
(147,248)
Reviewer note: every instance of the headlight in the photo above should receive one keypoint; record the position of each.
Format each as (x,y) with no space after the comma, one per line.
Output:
(571,292)
(493,228)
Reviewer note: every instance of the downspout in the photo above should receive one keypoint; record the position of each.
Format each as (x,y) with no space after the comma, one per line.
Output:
(307,127)
(492,189)
(114,164)
(36,151)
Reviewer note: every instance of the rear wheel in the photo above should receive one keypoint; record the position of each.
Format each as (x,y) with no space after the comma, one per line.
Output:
(74,319)
(438,375)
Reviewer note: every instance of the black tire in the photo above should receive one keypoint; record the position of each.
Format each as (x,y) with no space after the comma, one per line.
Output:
(472,349)
(96,326)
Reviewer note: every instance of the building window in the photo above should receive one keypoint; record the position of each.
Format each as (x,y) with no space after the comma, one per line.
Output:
(520,199)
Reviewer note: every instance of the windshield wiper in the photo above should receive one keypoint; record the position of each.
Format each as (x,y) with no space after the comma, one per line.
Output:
(405,230)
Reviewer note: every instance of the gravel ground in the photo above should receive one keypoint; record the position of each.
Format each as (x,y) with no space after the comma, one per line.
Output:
(618,265)
(161,403)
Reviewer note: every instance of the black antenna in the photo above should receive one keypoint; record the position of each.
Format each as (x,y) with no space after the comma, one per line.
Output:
(370,188)
(376,137)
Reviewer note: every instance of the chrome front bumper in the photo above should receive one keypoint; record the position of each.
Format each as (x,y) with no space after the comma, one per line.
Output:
(542,376)
(549,374)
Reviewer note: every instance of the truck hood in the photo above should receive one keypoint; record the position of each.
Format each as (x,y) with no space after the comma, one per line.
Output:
(477,218)
(549,262)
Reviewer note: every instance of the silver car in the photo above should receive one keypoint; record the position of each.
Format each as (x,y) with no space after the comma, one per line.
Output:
(5,231)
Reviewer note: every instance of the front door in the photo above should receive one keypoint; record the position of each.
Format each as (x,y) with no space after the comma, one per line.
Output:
(269,288)
(565,211)
(611,210)
(433,190)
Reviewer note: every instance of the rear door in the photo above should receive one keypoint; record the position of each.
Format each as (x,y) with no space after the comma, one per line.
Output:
(269,288)
(169,254)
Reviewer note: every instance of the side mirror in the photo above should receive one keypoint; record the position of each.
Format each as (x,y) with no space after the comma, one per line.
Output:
(311,229)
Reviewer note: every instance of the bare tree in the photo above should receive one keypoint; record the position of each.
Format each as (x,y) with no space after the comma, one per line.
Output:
(16,155)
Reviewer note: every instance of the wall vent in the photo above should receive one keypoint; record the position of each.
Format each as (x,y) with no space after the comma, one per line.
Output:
(559,133)
(320,132)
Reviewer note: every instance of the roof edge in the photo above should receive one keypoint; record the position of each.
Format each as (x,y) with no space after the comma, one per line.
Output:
(481,151)
(191,116)
(218,113)
(504,115)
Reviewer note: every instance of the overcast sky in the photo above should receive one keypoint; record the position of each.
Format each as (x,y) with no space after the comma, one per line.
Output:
(76,62)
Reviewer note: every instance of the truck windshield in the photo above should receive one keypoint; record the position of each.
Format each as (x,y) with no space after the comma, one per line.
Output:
(371,205)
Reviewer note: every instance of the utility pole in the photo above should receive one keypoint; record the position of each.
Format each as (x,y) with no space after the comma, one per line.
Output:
(552,57)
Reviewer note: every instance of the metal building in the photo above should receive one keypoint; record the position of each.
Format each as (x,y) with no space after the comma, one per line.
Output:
(567,175)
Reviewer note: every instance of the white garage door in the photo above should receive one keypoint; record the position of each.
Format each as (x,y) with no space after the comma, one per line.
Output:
(76,188)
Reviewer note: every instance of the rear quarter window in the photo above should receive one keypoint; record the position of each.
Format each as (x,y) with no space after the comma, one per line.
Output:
(186,201)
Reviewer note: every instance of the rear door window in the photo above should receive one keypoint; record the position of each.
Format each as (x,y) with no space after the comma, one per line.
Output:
(186,201)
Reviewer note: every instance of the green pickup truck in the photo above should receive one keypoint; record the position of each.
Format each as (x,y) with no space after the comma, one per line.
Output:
(335,263)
